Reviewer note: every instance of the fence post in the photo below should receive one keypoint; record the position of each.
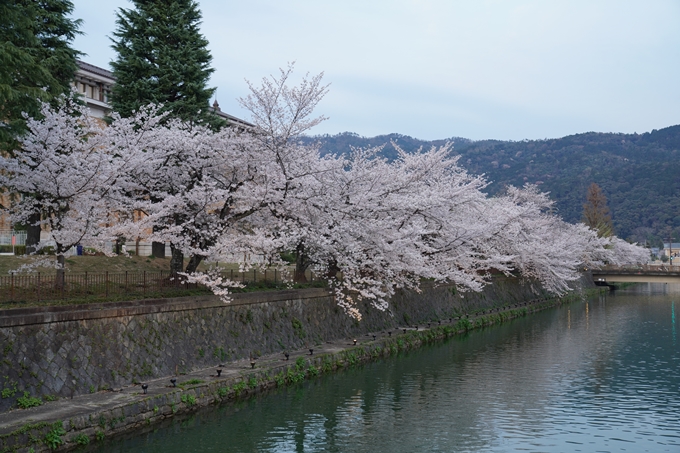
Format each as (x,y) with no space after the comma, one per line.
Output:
(144,283)
(38,286)
(254,275)
(126,282)
(107,285)
(12,286)
(274,276)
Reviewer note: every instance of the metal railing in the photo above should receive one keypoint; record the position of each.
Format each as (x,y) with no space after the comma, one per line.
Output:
(642,268)
(11,237)
(93,287)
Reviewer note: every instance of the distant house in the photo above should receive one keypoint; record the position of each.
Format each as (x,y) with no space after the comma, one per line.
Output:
(671,249)
(95,84)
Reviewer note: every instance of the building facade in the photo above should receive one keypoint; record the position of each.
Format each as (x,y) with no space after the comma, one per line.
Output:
(95,85)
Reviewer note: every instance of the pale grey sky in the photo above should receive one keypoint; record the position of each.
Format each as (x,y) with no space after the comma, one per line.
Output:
(504,69)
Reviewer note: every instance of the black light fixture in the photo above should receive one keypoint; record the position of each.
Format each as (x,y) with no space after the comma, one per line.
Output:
(404,330)
(355,342)
(416,327)
(252,363)
(144,387)
(389,333)
(429,324)
(173,381)
(311,351)
(287,355)
(219,372)
(440,322)
(373,337)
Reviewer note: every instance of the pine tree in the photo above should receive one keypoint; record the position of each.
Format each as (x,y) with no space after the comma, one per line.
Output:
(163,59)
(596,212)
(37,63)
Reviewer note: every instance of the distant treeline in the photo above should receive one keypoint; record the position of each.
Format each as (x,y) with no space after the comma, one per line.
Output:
(639,173)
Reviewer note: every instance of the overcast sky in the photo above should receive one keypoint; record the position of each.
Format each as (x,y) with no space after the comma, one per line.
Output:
(510,69)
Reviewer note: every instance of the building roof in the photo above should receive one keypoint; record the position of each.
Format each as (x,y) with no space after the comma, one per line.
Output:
(230,118)
(95,69)
(674,245)
(92,69)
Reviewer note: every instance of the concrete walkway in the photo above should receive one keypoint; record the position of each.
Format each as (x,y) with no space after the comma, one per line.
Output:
(96,403)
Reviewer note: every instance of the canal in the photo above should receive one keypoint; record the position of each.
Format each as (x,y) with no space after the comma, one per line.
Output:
(596,375)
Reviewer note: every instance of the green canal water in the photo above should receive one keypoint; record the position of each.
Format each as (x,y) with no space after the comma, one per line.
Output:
(599,375)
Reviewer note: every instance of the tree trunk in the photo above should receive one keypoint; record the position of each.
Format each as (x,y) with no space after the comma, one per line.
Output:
(32,233)
(158,249)
(194,261)
(177,260)
(300,264)
(333,269)
(61,272)
(120,241)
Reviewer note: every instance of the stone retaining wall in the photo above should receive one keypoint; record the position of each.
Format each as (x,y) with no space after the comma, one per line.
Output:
(69,351)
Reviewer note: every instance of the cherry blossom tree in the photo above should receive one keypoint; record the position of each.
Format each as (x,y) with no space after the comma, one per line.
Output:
(63,163)
(371,226)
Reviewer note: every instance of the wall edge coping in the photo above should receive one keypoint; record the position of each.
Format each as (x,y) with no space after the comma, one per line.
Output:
(48,314)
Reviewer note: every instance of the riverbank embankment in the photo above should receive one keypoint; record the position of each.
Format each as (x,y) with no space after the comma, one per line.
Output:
(194,337)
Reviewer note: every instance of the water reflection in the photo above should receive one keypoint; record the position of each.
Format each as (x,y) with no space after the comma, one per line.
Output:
(599,375)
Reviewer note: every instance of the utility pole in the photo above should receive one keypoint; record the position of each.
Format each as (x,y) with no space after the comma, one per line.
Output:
(670,247)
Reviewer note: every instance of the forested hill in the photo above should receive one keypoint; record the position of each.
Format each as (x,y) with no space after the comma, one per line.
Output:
(639,173)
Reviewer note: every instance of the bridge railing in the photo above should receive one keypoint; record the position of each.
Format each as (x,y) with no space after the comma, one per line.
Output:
(640,268)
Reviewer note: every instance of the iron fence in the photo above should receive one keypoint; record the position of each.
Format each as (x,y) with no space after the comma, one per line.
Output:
(12,237)
(92,287)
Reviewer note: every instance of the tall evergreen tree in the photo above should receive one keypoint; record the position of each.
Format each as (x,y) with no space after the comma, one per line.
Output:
(596,212)
(163,59)
(37,63)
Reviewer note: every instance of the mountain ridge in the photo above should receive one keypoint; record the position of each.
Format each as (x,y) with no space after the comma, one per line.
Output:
(639,173)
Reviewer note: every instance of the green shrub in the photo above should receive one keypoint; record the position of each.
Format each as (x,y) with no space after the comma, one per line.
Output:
(53,438)
(297,327)
(17,249)
(189,400)
(191,382)
(82,439)
(26,401)
(300,364)
(294,376)
(238,388)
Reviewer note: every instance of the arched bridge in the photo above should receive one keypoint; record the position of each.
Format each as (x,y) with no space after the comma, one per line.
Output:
(637,274)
